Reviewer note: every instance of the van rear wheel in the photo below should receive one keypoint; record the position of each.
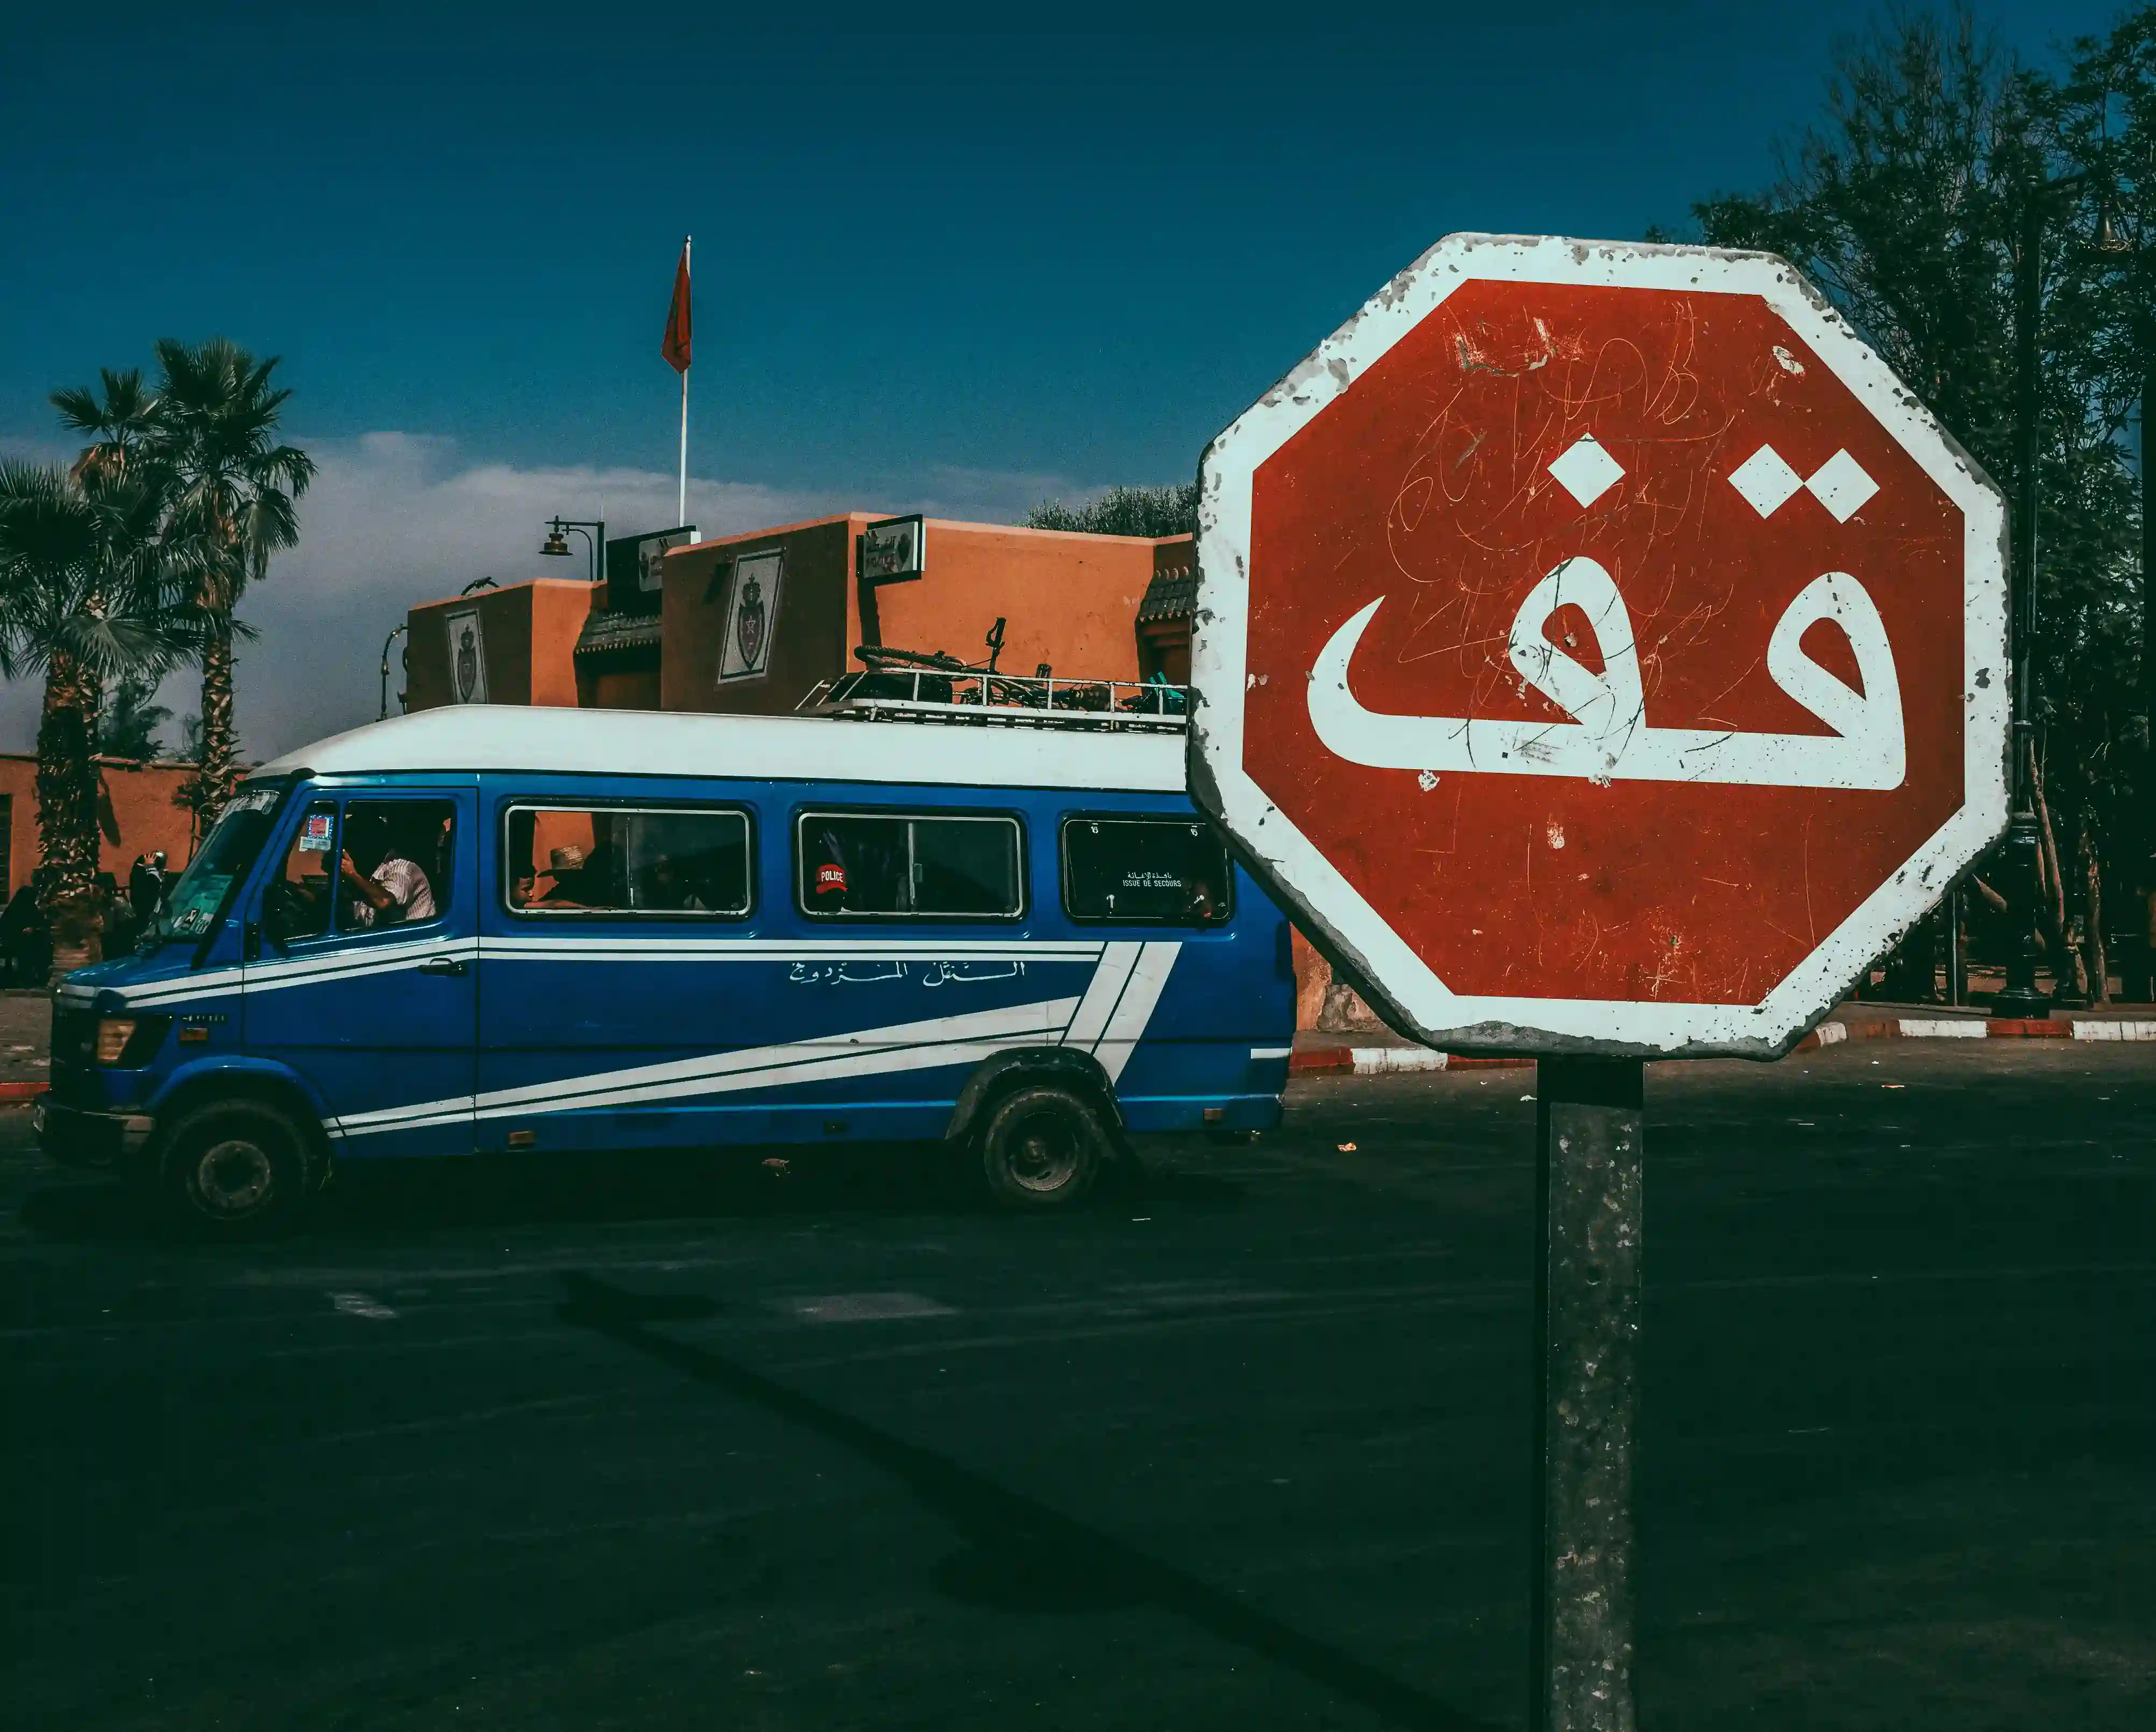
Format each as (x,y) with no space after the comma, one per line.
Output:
(1042,1147)
(235,1167)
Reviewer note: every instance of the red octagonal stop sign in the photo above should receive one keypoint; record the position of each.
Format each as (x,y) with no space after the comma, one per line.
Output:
(1600,648)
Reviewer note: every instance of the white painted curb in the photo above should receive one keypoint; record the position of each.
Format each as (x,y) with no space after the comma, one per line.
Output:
(1373,1060)
(2129,1029)
(1381,1060)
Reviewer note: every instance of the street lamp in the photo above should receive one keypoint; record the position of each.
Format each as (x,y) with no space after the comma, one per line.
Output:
(556,545)
(386,642)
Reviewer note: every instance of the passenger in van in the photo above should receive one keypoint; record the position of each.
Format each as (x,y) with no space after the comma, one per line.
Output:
(394,889)
(665,885)
(572,879)
(827,881)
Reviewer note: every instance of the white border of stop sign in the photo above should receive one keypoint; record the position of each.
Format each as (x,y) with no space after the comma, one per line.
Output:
(1355,935)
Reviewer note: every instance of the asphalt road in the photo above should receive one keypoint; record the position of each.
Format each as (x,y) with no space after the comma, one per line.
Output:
(1242,1447)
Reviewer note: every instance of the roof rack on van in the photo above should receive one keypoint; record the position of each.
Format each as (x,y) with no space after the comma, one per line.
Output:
(909,685)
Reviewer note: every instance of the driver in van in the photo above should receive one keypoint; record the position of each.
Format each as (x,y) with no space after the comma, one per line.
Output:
(394,889)
(1199,907)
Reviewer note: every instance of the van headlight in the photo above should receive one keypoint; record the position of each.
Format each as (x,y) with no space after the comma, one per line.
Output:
(113,1035)
(127,1041)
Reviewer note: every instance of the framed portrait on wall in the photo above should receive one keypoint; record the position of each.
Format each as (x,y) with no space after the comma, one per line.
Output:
(467,658)
(751,615)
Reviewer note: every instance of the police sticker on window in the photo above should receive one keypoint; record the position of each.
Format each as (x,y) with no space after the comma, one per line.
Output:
(315,837)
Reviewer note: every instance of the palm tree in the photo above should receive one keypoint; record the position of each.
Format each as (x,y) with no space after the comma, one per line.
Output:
(85,596)
(117,422)
(128,725)
(211,438)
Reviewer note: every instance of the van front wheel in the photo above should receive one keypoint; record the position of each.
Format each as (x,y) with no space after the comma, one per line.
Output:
(1042,1147)
(235,1167)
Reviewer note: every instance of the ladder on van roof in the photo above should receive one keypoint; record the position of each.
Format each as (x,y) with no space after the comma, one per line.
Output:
(909,686)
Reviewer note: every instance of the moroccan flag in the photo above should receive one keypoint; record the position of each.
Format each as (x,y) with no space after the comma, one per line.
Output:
(674,348)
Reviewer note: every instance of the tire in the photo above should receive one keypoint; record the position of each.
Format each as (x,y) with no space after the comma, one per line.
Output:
(235,1169)
(1042,1147)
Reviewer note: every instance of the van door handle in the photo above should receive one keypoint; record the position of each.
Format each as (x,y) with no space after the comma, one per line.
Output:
(442,965)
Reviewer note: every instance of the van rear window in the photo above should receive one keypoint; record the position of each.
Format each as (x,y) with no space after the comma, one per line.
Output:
(1145,872)
(864,863)
(618,861)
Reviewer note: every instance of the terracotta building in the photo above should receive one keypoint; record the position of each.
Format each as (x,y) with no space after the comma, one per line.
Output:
(525,635)
(752,623)
(137,813)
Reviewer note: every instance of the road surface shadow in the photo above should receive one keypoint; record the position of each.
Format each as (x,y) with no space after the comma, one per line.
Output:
(371,1198)
(1018,1555)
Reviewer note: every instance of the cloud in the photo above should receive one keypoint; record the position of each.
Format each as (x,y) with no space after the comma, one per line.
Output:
(39,451)
(398,518)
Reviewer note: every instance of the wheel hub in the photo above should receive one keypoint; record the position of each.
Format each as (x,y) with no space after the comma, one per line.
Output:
(233,1176)
(1043,1157)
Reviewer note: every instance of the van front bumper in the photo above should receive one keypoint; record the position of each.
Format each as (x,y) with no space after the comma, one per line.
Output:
(76,1137)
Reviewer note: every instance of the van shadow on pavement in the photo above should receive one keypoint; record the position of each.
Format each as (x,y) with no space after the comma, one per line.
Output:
(1017,1554)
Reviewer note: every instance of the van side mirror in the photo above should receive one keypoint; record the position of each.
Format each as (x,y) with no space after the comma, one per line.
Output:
(251,941)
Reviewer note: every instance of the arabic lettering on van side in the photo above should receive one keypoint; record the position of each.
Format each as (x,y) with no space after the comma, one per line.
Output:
(928,974)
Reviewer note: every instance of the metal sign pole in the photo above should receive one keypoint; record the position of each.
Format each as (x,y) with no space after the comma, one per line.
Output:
(1588,1146)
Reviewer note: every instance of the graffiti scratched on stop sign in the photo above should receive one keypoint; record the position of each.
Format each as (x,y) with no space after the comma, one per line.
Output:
(1600,648)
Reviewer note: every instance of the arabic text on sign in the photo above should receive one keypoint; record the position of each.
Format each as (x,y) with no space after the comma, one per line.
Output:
(1609,738)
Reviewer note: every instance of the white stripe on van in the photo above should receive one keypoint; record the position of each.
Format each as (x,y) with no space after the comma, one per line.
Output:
(1134,1010)
(1107,987)
(1109,1020)
(866,948)
(382,959)
(217,983)
(301,970)
(907,1046)
(351,964)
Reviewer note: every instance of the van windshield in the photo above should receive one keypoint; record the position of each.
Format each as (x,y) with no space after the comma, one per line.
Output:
(230,849)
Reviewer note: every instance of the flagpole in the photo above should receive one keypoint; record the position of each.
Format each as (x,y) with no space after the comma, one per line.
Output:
(681,503)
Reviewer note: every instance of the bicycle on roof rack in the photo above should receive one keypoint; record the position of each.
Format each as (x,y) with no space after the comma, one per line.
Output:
(897,685)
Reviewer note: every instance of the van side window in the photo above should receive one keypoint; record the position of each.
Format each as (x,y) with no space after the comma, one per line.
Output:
(1152,872)
(300,898)
(393,865)
(863,864)
(619,861)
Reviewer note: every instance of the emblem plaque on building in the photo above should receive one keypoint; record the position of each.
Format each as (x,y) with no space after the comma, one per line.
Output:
(467,658)
(752,613)
(648,554)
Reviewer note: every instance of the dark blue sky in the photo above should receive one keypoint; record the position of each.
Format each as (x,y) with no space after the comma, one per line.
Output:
(944,261)
(1071,246)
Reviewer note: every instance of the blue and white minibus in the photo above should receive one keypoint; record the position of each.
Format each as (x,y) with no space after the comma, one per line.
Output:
(485,929)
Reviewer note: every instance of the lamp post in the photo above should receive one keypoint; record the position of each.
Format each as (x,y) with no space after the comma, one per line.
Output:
(556,545)
(386,642)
